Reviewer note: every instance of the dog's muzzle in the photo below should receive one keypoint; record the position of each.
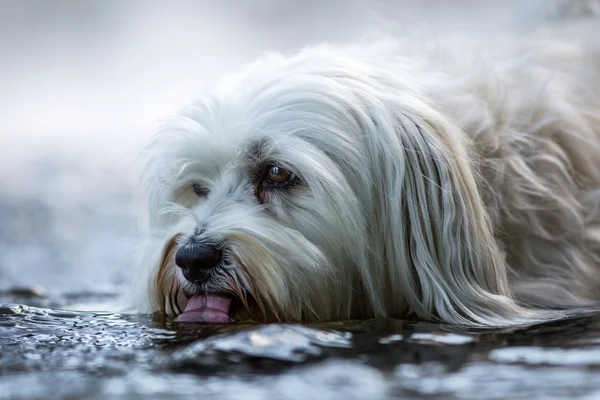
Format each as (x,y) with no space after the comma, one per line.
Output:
(197,261)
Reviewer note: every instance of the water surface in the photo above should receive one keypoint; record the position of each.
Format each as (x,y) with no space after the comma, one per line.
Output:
(49,353)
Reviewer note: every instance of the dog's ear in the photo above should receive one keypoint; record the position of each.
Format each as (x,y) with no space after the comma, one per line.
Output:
(438,242)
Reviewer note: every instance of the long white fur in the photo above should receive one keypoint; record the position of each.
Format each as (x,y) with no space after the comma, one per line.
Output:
(452,183)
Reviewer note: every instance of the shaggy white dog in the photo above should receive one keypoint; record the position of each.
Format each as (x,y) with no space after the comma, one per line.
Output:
(384,179)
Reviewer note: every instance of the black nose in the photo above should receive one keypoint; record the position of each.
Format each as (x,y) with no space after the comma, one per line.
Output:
(197,260)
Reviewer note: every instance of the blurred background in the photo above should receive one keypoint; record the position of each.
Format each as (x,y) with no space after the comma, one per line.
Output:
(82,83)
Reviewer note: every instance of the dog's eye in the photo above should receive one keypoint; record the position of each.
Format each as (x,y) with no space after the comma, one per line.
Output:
(201,191)
(278,175)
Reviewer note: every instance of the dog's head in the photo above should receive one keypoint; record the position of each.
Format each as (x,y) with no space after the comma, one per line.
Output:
(319,188)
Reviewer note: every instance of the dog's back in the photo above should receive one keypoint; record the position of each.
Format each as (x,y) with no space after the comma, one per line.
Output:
(536,139)
(529,103)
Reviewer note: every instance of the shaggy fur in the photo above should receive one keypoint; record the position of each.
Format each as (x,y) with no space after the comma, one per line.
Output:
(447,183)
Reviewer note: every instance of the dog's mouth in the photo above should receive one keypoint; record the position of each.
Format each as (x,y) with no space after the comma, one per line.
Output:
(210,308)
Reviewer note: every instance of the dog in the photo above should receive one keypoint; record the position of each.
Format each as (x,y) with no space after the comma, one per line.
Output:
(385,179)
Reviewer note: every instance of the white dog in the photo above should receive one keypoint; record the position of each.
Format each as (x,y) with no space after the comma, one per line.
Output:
(383,180)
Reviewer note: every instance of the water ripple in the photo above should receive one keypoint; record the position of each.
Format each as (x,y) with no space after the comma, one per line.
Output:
(49,353)
(289,343)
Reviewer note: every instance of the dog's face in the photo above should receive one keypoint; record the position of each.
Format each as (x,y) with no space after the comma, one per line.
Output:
(266,207)
(297,192)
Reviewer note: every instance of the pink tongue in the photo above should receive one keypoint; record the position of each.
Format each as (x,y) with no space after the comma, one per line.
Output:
(211,309)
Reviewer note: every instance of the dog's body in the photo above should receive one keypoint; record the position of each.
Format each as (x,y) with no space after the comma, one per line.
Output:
(453,188)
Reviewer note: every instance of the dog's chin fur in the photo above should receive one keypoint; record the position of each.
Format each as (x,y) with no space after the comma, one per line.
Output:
(431,184)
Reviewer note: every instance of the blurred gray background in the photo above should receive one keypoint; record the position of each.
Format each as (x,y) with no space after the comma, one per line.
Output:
(82,82)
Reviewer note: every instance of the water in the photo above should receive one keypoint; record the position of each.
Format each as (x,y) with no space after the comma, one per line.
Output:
(81,84)
(48,353)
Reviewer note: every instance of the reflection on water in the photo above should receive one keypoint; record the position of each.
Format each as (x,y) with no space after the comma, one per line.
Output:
(48,353)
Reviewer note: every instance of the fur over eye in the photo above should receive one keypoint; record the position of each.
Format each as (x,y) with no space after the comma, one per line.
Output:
(200,190)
